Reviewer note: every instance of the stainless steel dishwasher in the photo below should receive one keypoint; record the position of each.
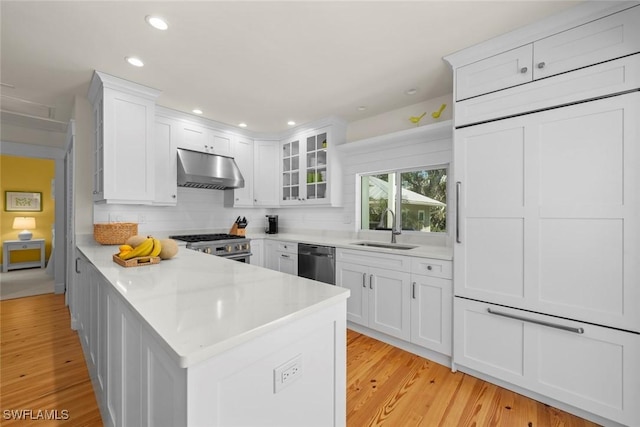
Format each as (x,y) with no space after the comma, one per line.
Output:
(317,263)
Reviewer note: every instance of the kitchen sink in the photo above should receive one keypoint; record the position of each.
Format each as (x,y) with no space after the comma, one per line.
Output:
(385,245)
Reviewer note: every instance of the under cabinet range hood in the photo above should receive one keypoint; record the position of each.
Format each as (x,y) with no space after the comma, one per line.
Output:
(205,170)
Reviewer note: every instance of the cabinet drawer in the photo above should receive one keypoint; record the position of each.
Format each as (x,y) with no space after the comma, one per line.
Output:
(287,247)
(20,246)
(432,267)
(587,366)
(374,259)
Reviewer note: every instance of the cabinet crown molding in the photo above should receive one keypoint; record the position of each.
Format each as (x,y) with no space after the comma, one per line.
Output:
(101,81)
(578,15)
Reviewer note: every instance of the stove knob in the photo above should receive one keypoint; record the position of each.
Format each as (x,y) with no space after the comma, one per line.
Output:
(228,248)
(207,250)
(238,247)
(245,246)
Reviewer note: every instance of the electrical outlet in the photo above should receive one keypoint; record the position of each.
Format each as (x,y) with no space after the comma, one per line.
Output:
(287,373)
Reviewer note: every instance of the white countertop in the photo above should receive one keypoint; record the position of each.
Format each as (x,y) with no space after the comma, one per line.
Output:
(203,305)
(421,251)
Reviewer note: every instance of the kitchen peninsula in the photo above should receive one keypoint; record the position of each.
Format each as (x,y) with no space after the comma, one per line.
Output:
(201,340)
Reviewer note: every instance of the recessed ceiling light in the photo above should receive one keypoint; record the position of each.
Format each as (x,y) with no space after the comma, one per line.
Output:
(411,91)
(197,111)
(156,22)
(136,62)
(362,108)
(291,123)
(242,125)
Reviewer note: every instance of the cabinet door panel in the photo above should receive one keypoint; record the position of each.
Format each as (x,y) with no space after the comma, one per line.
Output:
(242,152)
(166,163)
(488,343)
(582,140)
(354,278)
(389,312)
(127,149)
(601,40)
(265,192)
(431,311)
(497,72)
(597,264)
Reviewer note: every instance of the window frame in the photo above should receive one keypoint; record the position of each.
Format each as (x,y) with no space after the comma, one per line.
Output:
(397,205)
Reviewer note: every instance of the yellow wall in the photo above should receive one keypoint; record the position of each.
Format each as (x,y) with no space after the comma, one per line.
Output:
(31,175)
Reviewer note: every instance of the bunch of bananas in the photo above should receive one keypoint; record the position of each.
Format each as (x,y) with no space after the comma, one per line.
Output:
(149,247)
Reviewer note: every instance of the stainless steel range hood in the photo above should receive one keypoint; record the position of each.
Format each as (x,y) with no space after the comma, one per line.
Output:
(204,170)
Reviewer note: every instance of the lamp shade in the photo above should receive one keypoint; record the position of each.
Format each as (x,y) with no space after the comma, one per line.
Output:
(24,223)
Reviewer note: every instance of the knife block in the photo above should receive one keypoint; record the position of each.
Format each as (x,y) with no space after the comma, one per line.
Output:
(235,231)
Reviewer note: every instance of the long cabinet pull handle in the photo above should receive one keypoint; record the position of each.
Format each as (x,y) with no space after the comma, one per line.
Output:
(371,281)
(77,271)
(364,279)
(413,290)
(537,322)
(284,256)
(458,187)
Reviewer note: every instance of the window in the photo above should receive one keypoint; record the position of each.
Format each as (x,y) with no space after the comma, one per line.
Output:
(419,195)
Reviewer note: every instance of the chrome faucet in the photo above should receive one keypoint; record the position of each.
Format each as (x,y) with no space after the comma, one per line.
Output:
(394,232)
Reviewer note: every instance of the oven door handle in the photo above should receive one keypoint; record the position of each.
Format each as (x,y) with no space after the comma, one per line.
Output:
(238,256)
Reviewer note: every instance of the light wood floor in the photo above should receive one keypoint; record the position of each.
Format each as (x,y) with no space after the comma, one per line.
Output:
(41,364)
(42,368)
(387,386)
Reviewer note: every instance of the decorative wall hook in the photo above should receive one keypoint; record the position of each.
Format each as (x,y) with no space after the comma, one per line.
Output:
(416,120)
(436,114)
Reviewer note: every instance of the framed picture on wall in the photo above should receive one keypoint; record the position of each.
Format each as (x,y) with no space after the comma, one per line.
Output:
(21,201)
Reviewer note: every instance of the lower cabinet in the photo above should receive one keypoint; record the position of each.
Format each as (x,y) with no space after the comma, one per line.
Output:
(589,367)
(281,256)
(257,252)
(431,311)
(135,380)
(380,297)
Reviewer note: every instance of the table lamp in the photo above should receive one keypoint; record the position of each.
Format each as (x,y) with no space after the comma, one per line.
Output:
(24,223)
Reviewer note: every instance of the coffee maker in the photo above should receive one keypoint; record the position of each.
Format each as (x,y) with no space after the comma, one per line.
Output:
(272,224)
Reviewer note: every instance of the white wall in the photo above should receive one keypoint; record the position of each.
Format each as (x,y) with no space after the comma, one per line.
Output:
(83,176)
(396,120)
(197,210)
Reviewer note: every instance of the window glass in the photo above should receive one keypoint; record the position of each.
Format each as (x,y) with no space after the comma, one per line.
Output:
(424,200)
(419,195)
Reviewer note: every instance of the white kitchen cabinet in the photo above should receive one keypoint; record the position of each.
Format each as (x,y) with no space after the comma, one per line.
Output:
(257,252)
(265,173)
(242,151)
(601,40)
(124,162)
(197,137)
(311,172)
(166,162)
(380,297)
(580,364)
(548,212)
(282,256)
(432,304)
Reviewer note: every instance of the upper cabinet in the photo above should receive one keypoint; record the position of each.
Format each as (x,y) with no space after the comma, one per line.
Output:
(166,162)
(124,162)
(311,173)
(201,138)
(265,173)
(601,40)
(242,152)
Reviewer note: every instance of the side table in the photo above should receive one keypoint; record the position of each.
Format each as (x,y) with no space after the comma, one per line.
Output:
(9,246)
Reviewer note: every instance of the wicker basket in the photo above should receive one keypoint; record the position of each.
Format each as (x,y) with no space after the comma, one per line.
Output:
(114,233)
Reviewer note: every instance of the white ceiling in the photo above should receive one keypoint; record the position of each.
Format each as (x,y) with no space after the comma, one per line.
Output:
(262,63)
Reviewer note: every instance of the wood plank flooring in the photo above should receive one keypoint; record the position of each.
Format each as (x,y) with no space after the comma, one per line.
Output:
(42,368)
(387,386)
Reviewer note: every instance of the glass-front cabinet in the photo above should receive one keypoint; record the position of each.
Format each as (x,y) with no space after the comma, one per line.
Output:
(316,171)
(306,168)
(291,171)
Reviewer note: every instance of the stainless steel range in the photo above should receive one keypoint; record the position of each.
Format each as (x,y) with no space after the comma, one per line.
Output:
(225,245)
